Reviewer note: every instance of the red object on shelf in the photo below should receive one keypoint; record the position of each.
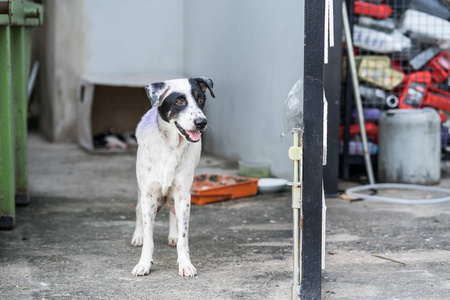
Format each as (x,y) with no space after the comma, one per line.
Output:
(397,66)
(371,130)
(440,66)
(355,49)
(415,90)
(208,188)
(381,11)
(438,99)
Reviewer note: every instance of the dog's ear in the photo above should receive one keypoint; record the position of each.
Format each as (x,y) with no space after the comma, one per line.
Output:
(205,83)
(156,92)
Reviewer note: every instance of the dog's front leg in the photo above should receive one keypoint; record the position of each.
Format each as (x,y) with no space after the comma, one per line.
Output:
(138,231)
(173,231)
(182,210)
(149,209)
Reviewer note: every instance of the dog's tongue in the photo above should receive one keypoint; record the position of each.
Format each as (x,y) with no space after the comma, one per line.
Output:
(194,135)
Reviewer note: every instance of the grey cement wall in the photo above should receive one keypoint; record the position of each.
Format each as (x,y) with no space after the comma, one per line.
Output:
(253,51)
(94,36)
(63,57)
(134,36)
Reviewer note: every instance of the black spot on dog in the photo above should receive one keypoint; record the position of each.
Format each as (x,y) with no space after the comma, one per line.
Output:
(169,109)
(158,85)
(154,88)
(197,93)
(204,83)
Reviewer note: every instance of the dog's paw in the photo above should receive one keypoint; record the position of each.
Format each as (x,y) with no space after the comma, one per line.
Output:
(137,240)
(173,241)
(141,269)
(186,270)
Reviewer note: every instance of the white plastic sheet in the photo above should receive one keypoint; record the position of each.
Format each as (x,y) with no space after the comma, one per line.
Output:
(293,108)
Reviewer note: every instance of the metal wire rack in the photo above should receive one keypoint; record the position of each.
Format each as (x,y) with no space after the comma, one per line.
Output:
(403,61)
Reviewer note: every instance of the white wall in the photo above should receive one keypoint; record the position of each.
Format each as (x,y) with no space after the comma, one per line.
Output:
(253,51)
(134,36)
(99,36)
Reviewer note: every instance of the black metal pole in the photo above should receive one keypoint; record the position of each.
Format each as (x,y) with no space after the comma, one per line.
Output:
(346,159)
(313,147)
(332,82)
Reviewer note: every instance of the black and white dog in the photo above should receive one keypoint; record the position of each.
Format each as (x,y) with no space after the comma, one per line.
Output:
(169,149)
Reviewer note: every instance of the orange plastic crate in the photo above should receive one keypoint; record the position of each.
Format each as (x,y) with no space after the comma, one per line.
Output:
(209,188)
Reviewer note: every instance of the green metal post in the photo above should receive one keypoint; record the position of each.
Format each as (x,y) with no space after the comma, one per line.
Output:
(19,79)
(15,53)
(7,178)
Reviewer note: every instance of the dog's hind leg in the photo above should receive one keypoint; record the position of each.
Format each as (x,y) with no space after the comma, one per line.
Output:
(173,231)
(138,231)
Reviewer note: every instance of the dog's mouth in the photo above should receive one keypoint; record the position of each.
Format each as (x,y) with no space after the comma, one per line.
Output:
(191,136)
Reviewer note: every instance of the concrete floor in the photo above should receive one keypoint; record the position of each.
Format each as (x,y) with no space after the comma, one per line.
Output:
(72,241)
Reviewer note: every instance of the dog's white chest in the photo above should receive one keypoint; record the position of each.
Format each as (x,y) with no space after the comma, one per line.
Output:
(170,166)
(162,160)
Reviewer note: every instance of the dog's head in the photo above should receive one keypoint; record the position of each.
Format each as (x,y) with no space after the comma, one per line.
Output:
(180,102)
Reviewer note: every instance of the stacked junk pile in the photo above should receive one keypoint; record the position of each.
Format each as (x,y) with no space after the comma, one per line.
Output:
(402,57)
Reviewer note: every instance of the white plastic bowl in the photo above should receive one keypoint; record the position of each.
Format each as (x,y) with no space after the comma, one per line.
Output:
(271,185)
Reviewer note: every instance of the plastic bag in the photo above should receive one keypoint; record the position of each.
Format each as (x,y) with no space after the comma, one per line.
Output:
(379,41)
(426,28)
(293,108)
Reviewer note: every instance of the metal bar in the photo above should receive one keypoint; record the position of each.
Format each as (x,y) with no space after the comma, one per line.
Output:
(19,80)
(6,8)
(347,122)
(332,83)
(25,13)
(295,206)
(313,150)
(32,79)
(7,185)
(296,155)
(346,159)
(355,83)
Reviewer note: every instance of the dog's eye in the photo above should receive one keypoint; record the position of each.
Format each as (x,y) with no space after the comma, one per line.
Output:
(201,100)
(181,101)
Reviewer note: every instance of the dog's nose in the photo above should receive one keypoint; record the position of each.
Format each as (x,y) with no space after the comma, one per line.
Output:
(200,123)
